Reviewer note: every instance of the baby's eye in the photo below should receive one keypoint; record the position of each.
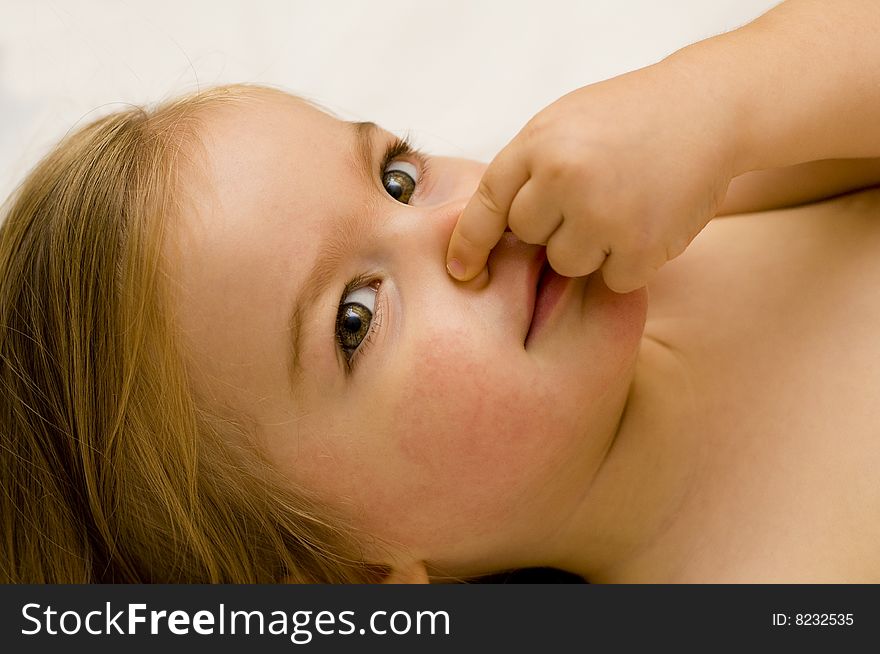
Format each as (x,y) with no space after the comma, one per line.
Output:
(355,316)
(400,179)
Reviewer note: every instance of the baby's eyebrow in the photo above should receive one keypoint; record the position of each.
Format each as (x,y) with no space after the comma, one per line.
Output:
(342,238)
(364,134)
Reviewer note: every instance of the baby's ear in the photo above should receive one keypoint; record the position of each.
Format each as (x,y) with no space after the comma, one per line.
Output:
(410,573)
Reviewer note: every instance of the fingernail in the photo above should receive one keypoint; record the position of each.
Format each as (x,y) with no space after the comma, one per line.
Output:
(455,268)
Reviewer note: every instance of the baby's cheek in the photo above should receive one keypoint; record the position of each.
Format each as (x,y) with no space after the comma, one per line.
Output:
(449,399)
(465,428)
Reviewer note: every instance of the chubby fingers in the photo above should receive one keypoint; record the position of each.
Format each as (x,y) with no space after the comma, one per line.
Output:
(484,219)
(628,258)
(627,270)
(574,252)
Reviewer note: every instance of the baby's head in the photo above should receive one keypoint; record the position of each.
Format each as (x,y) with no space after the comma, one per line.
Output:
(233,353)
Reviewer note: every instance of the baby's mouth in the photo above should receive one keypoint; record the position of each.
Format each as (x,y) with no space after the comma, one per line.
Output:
(549,289)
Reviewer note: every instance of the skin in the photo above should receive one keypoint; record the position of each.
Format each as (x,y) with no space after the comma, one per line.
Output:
(683,445)
(621,175)
(618,444)
(451,440)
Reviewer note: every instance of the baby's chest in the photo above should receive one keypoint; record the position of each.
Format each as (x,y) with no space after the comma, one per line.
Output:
(786,303)
(803,304)
(800,360)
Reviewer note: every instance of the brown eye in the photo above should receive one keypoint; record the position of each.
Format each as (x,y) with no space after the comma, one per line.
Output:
(354,318)
(399,180)
(352,325)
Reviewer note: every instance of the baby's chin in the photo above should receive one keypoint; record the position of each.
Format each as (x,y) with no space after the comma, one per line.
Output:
(620,316)
(597,340)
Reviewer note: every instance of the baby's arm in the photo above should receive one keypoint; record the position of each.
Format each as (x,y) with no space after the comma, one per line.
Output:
(805,82)
(623,174)
(763,190)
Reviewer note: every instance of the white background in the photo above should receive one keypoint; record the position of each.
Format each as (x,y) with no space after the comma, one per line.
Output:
(461,77)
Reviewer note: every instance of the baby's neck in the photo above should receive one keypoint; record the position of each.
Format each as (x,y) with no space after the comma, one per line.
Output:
(625,530)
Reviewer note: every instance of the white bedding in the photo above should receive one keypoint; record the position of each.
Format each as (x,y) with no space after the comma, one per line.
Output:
(461,77)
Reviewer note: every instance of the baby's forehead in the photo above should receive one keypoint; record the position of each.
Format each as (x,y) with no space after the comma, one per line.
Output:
(256,102)
(258,124)
(261,144)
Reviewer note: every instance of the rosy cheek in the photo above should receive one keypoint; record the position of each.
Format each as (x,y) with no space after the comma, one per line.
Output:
(453,407)
(467,432)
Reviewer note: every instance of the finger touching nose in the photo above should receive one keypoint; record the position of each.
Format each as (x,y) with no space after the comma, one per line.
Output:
(478,229)
(484,219)
(479,275)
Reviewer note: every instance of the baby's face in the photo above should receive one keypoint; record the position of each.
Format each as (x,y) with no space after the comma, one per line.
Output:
(434,423)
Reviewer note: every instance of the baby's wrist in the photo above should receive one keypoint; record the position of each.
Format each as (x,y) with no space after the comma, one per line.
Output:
(724,103)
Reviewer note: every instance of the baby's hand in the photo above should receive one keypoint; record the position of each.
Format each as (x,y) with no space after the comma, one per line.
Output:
(619,175)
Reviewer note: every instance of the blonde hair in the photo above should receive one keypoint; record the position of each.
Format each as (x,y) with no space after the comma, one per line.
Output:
(112,471)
